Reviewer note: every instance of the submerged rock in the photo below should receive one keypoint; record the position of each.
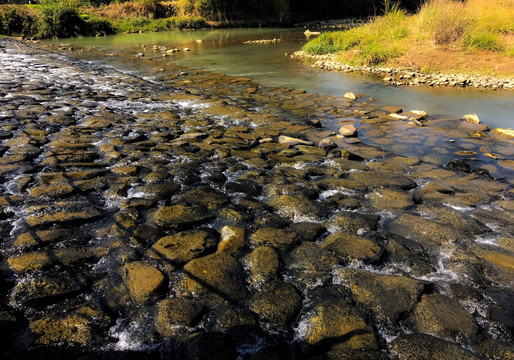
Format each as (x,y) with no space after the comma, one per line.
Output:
(175,313)
(178,216)
(219,277)
(443,317)
(277,303)
(428,347)
(182,247)
(336,329)
(142,280)
(389,297)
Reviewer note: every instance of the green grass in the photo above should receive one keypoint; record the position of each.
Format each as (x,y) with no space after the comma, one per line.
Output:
(483,41)
(473,25)
(374,43)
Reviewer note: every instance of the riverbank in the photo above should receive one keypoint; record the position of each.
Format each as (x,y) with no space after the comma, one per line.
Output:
(408,77)
(444,37)
(181,213)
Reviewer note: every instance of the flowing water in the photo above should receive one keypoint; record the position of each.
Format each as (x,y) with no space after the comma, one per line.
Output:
(223,51)
(150,208)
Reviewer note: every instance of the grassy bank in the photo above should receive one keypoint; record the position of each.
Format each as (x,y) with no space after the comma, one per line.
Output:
(68,18)
(445,36)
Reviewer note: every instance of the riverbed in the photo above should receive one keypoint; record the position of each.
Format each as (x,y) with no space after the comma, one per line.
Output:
(158,210)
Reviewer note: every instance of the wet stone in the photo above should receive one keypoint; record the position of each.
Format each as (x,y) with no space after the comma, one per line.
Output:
(48,290)
(219,277)
(447,215)
(496,350)
(175,313)
(178,216)
(409,256)
(443,317)
(338,326)
(424,230)
(207,197)
(389,297)
(41,237)
(297,206)
(424,347)
(382,179)
(232,240)
(81,326)
(247,187)
(63,217)
(307,231)
(157,192)
(352,248)
(390,200)
(263,263)
(278,239)
(277,303)
(182,247)
(142,280)
(354,222)
(310,264)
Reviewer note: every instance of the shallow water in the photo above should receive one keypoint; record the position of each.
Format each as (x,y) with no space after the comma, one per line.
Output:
(81,136)
(223,51)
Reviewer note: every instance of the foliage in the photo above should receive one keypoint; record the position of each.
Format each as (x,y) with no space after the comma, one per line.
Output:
(16,20)
(61,18)
(468,25)
(483,41)
(166,24)
(373,42)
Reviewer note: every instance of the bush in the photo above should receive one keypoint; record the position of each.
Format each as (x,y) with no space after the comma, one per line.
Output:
(15,20)
(61,19)
(483,41)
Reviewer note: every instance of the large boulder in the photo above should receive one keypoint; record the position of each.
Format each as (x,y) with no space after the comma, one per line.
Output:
(277,303)
(338,329)
(142,280)
(178,217)
(443,317)
(389,297)
(428,347)
(182,247)
(352,248)
(219,277)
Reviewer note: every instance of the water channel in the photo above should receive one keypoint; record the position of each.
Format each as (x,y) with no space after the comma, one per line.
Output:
(152,207)
(223,51)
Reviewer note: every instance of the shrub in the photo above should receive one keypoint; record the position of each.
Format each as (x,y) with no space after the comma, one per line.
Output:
(483,41)
(61,19)
(15,20)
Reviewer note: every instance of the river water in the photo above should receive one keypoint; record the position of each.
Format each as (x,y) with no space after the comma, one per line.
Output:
(223,51)
(151,209)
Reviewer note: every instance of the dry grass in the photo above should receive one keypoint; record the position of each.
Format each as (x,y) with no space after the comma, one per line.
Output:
(445,35)
(136,9)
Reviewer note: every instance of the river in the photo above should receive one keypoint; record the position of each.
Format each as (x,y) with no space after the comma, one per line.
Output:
(152,209)
(223,51)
